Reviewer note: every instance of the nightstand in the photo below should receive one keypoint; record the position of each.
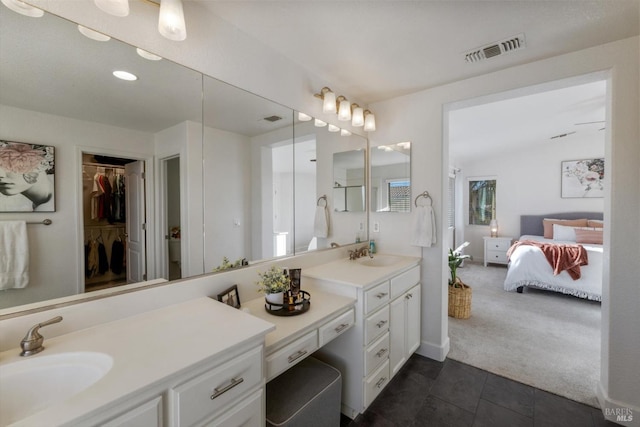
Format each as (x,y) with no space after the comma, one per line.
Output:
(495,249)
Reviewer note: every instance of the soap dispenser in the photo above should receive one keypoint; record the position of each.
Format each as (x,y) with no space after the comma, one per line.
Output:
(372,246)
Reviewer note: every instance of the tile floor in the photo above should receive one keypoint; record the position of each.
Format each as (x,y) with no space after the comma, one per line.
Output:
(450,393)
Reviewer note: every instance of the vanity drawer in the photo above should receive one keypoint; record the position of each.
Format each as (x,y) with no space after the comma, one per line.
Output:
(376,297)
(404,281)
(376,353)
(336,327)
(206,394)
(375,383)
(247,413)
(376,325)
(293,353)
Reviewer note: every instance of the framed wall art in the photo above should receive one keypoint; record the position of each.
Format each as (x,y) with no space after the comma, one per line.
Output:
(27,177)
(230,297)
(583,178)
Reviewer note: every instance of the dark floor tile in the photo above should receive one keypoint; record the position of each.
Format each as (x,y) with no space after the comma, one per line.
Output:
(436,412)
(460,384)
(491,415)
(401,400)
(344,420)
(510,394)
(599,420)
(371,419)
(424,366)
(552,410)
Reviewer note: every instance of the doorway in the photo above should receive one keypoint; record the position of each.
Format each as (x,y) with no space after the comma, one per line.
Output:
(173,261)
(113,195)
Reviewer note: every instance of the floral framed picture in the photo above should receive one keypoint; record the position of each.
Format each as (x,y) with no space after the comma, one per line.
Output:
(583,178)
(230,297)
(27,177)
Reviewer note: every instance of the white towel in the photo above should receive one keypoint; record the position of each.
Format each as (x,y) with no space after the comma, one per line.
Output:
(321,222)
(14,255)
(424,233)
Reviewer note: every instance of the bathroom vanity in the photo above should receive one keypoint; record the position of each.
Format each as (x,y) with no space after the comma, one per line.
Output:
(387,322)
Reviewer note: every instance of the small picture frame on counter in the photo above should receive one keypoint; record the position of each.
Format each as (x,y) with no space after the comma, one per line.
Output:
(230,297)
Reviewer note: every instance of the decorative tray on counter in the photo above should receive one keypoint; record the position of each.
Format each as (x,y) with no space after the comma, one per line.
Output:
(286,309)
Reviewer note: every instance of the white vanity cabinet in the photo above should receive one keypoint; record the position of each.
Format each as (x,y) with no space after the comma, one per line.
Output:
(385,334)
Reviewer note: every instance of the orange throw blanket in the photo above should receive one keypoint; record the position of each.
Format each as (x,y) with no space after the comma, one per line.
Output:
(561,257)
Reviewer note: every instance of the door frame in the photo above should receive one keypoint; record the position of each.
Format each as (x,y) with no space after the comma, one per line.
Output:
(162,251)
(149,200)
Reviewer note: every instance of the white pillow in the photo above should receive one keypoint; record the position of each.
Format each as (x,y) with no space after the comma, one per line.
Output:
(562,232)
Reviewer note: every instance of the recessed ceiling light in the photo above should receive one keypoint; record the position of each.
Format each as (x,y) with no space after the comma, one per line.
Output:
(148,55)
(23,9)
(125,75)
(93,35)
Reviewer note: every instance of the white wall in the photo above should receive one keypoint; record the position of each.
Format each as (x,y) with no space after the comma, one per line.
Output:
(56,254)
(528,182)
(419,118)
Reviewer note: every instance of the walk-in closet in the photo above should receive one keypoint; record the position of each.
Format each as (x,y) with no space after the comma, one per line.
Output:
(104,214)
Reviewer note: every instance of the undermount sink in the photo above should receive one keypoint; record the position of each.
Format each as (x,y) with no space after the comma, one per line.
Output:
(379,260)
(31,385)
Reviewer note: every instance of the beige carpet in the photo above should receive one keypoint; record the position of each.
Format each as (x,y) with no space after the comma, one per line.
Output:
(540,338)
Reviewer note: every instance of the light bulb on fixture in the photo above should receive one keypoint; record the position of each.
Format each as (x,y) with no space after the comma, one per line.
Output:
(304,117)
(369,121)
(23,9)
(114,7)
(319,123)
(357,117)
(333,128)
(344,109)
(171,22)
(93,35)
(328,100)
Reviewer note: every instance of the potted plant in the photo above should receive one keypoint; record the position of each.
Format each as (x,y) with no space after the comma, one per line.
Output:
(459,293)
(273,283)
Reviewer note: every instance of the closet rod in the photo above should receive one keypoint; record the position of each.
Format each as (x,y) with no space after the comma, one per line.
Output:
(103,165)
(104,227)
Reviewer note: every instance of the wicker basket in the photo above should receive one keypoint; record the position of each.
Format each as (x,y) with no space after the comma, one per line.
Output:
(460,300)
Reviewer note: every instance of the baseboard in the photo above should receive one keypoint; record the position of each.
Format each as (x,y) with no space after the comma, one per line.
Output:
(617,412)
(434,351)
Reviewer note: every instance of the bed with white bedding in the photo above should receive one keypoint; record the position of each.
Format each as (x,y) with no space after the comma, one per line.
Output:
(528,266)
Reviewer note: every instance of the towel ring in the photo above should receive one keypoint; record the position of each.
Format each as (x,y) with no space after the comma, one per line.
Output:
(426,195)
(323,197)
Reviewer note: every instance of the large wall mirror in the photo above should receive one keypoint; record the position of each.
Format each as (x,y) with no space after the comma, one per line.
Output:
(227,175)
(391,177)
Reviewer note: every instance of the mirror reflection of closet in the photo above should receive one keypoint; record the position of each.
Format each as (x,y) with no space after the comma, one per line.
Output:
(104,219)
(391,177)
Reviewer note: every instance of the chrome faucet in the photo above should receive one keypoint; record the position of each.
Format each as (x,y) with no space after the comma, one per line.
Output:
(357,253)
(32,342)
(334,245)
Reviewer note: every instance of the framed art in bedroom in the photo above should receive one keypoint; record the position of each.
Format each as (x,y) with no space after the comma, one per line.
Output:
(27,176)
(583,178)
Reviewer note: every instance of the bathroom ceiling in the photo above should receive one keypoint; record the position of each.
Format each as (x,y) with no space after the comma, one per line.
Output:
(377,50)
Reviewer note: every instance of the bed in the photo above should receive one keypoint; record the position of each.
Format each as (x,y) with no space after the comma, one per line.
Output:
(528,266)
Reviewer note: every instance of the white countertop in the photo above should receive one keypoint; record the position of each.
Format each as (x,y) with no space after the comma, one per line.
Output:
(351,272)
(146,349)
(288,328)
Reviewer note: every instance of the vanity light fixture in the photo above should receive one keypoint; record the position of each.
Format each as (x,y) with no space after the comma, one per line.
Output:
(304,117)
(333,128)
(93,35)
(23,9)
(171,23)
(328,100)
(125,75)
(357,115)
(113,7)
(344,109)
(344,132)
(369,121)
(319,123)
(148,55)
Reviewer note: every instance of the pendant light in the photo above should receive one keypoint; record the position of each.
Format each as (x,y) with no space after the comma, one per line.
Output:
(114,7)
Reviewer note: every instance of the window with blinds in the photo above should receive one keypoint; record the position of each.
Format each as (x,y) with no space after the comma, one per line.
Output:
(399,196)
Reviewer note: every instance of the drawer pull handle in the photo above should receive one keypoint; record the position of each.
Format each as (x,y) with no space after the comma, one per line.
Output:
(380,382)
(381,323)
(220,391)
(382,295)
(341,327)
(297,355)
(381,352)
(408,296)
